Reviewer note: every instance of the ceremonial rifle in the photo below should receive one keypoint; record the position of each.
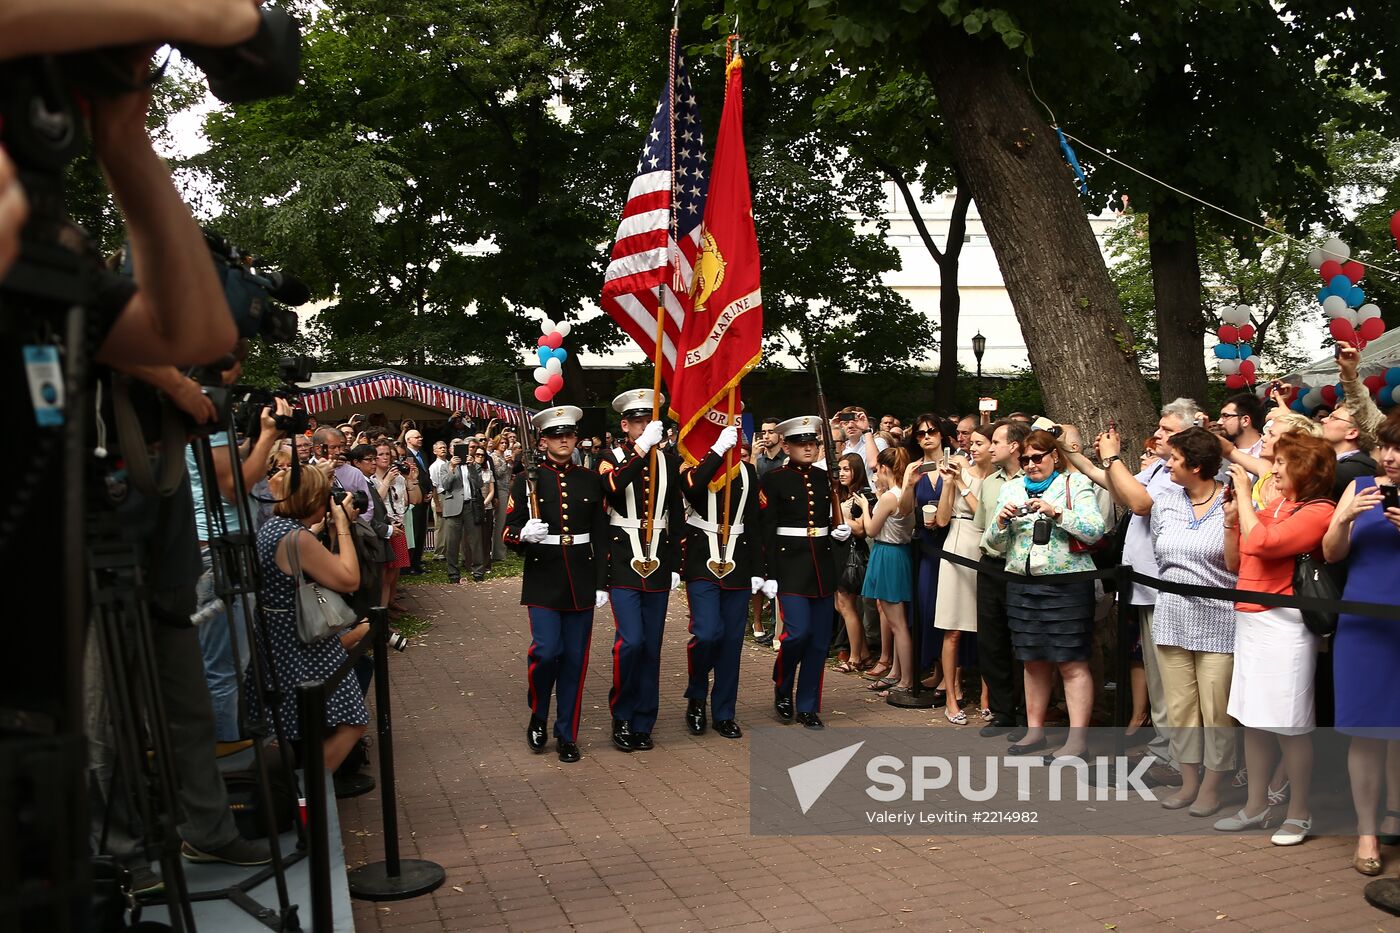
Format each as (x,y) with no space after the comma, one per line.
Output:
(831,470)
(530,451)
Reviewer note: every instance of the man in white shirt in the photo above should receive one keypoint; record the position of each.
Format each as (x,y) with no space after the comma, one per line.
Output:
(859,438)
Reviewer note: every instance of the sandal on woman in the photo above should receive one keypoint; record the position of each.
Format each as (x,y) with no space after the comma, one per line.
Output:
(986,714)
(867,664)
(884,683)
(1279,796)
(845,667)
(870,673)
(895,691)
(958,719)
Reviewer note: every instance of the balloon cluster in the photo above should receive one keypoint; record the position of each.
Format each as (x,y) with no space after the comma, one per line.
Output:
(1384,388)
(1350,317)
(550,373)
(1233,354)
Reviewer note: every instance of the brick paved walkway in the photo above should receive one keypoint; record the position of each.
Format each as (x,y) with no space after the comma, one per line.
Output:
(659,840)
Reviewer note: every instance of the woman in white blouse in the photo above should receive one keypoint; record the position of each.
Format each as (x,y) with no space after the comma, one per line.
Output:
(1195,636)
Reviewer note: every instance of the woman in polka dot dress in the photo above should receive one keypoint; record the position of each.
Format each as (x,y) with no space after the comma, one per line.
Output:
(293,661)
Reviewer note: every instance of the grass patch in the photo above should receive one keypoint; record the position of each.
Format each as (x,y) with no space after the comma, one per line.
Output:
(411,626)
(436,575)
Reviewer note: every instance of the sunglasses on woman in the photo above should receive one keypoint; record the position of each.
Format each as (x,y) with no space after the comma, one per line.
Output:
(925,432)
(1032,458)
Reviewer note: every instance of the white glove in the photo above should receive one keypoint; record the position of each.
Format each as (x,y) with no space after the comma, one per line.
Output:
(675,580)
(534,531)
(756,584)
(770,589)
(726,441)
(600,599)
(651,436)
(841,532)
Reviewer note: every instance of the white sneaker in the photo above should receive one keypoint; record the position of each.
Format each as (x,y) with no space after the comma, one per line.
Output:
(1292,832)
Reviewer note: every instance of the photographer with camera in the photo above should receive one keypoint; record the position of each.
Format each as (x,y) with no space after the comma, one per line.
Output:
(289,554)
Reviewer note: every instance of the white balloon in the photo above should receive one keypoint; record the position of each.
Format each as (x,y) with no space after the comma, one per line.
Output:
(1228,367)
(1336,249)
(1350,316)
(563,327)
(553,366)
(1334,305)
(1316,257)
(1368,311)
(1239,315)
(1312,399)
(547,327)
(1396,395)
(541,375)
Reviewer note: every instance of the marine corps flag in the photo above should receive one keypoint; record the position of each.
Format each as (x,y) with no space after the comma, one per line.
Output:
(722,338)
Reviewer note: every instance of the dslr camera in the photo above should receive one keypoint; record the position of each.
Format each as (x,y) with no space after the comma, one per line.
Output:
(404,466)
(359,498)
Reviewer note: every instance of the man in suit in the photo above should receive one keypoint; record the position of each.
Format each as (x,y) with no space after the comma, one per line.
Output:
(720,567)
(418,513)
(795,503)
(459,489)
(555,520)
(642,568)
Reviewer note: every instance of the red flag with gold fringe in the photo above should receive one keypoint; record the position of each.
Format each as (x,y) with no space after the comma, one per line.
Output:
(722,338)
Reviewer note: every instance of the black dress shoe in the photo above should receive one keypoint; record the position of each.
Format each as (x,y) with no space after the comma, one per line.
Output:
(535,734)
(642,742)
(1029,747)
(783,704)
(997,726)
(1016,734)
(811,720)
(728,728)
(568,752)
(621,736)
(765,639)
(695,717)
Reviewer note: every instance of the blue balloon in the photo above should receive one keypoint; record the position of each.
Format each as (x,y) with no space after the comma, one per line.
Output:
(1298,406)
(1226,351)
(1339,284)
(544,353)
(561,354)
(1392,376)
(1246,351)
(1323,294)
(1356,297)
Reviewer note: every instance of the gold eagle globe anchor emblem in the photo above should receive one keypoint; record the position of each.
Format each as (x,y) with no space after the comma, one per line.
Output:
(709,271)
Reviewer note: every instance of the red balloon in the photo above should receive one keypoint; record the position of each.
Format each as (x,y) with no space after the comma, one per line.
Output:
(1329,270)
(1343,330)
(543,341)
(1329,395)
(1353,270)
(1395,225)
(1228,333)
(1374,383)
(552,340)
(1247,370)
(1246,332)
(1370,330)
(555,383)
(544,393)
(1235,381)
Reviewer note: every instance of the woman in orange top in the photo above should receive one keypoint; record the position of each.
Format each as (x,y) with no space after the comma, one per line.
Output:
(1271,693)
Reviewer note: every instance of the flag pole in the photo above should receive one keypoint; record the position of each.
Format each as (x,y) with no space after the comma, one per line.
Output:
(658,357)
(728,486)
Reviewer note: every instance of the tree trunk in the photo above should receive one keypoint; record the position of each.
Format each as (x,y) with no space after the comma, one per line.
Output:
(1176,286)
(949,298)
(1080,347)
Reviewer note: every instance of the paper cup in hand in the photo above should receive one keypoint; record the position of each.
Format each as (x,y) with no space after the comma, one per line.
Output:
(930,510)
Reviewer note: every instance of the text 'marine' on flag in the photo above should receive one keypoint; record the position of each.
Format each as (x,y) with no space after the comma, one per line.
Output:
(723,336)
(647,265)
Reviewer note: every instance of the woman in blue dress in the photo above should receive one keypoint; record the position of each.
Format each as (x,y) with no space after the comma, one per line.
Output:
(923,486)
(1366,655)
(284,542)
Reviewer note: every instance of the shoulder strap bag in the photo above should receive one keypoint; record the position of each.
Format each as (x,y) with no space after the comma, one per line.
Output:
(320,613)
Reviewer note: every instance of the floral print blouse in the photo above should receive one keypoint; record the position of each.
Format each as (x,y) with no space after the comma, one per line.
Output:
(1081,519)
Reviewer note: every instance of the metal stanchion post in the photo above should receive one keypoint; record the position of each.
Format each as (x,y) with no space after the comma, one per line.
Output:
(393,879)
(311,699)
(1123,698)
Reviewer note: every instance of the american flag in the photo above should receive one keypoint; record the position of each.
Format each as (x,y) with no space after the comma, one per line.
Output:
(645,259)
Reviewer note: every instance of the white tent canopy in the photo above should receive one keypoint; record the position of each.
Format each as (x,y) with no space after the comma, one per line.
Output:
(1379,355)
(332,396)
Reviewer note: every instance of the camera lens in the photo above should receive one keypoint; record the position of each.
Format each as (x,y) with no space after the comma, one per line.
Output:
(397,641)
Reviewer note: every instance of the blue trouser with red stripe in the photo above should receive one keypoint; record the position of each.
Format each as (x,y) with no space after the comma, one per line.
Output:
(641,621)
(558,658)
(802,651)
(717,620)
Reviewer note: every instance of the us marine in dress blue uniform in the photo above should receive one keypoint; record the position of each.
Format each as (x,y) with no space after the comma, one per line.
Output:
(640,575)
(720,577)
(565,551)
(795,501)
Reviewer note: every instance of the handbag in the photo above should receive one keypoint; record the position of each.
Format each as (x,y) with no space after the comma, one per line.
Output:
(857,560)
(1075,545)
(320,613)
(1312,578)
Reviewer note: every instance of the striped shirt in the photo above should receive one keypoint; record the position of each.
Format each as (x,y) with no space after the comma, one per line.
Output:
(1191,551)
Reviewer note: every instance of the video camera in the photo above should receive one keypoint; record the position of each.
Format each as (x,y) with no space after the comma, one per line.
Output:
(253,293)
